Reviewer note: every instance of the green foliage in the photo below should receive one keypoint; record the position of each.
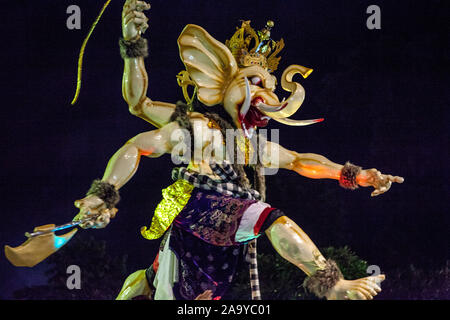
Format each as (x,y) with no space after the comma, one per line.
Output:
(279,280)
(351,265)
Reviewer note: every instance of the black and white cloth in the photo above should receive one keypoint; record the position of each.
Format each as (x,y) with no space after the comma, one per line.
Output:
(226,185)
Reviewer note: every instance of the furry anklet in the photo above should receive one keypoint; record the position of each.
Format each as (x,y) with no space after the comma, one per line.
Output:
(322,281)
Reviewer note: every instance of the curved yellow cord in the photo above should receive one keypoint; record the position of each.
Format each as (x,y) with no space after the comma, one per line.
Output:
(81,55)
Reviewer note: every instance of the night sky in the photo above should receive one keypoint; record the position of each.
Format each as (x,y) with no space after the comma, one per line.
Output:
(383,93)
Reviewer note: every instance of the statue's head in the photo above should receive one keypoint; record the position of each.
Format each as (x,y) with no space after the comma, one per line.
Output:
(237,75)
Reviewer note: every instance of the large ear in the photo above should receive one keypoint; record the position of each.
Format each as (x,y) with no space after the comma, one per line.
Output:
(208,61)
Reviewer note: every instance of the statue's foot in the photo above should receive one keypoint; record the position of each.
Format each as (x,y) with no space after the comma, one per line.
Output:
(360,289)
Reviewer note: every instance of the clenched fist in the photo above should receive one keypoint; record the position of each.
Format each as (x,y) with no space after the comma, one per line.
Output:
(94,211)
(134,21)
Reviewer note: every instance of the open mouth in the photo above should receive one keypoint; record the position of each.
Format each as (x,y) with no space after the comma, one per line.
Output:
(255,112)
(253,117)
(252,112)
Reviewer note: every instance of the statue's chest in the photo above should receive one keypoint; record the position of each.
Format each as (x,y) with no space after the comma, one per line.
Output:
(228,144)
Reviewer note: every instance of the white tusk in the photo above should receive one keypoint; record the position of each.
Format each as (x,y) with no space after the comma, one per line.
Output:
(267,108)
(291,122)
(248,99)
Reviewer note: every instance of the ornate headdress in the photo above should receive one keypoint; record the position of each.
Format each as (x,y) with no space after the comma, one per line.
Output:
(251,47)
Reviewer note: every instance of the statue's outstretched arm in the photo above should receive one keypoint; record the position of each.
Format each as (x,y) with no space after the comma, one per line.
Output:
(318,167)
(103,195)
(293,244)
(135,79)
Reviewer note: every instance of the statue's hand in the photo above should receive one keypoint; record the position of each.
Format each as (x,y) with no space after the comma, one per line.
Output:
(381,182)
(360,289)
(134,21)
(93,206)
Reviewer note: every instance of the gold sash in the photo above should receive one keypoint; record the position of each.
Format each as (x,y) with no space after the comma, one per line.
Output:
(175,197)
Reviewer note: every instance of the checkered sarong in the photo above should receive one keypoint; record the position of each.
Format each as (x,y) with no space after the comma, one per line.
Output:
(226,185)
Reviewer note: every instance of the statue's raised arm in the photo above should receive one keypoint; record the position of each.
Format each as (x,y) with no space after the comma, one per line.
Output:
(135,80)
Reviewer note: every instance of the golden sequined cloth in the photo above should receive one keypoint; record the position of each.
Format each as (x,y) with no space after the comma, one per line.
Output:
(174,199)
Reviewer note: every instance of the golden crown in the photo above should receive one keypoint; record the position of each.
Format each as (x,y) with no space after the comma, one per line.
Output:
(251,47)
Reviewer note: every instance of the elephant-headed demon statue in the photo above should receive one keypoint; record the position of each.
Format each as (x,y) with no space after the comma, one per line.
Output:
(213,212)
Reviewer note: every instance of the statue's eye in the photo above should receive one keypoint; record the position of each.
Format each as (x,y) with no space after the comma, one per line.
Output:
(256,81)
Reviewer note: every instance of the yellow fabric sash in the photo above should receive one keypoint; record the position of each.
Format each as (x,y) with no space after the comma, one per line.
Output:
(175,197)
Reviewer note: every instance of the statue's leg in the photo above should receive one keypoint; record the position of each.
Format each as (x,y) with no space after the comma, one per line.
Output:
(324,277)
(135,285)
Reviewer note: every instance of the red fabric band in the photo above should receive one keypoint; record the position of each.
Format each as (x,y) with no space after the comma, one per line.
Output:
(261,219)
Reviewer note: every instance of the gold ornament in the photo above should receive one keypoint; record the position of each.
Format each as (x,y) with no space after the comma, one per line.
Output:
(184,81)
(255,48)
(249,47)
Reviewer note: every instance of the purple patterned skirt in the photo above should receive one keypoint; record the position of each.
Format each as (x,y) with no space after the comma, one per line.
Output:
(203,237)
(213,217)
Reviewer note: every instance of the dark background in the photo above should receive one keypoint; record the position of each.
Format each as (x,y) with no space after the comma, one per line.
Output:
(383,94)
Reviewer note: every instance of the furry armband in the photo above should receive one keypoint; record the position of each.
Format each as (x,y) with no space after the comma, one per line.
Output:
(181,117)
(348,176)
(133,49)
(323,280)
(105,191)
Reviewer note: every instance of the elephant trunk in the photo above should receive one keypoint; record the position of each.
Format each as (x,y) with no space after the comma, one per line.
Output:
(297,96)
